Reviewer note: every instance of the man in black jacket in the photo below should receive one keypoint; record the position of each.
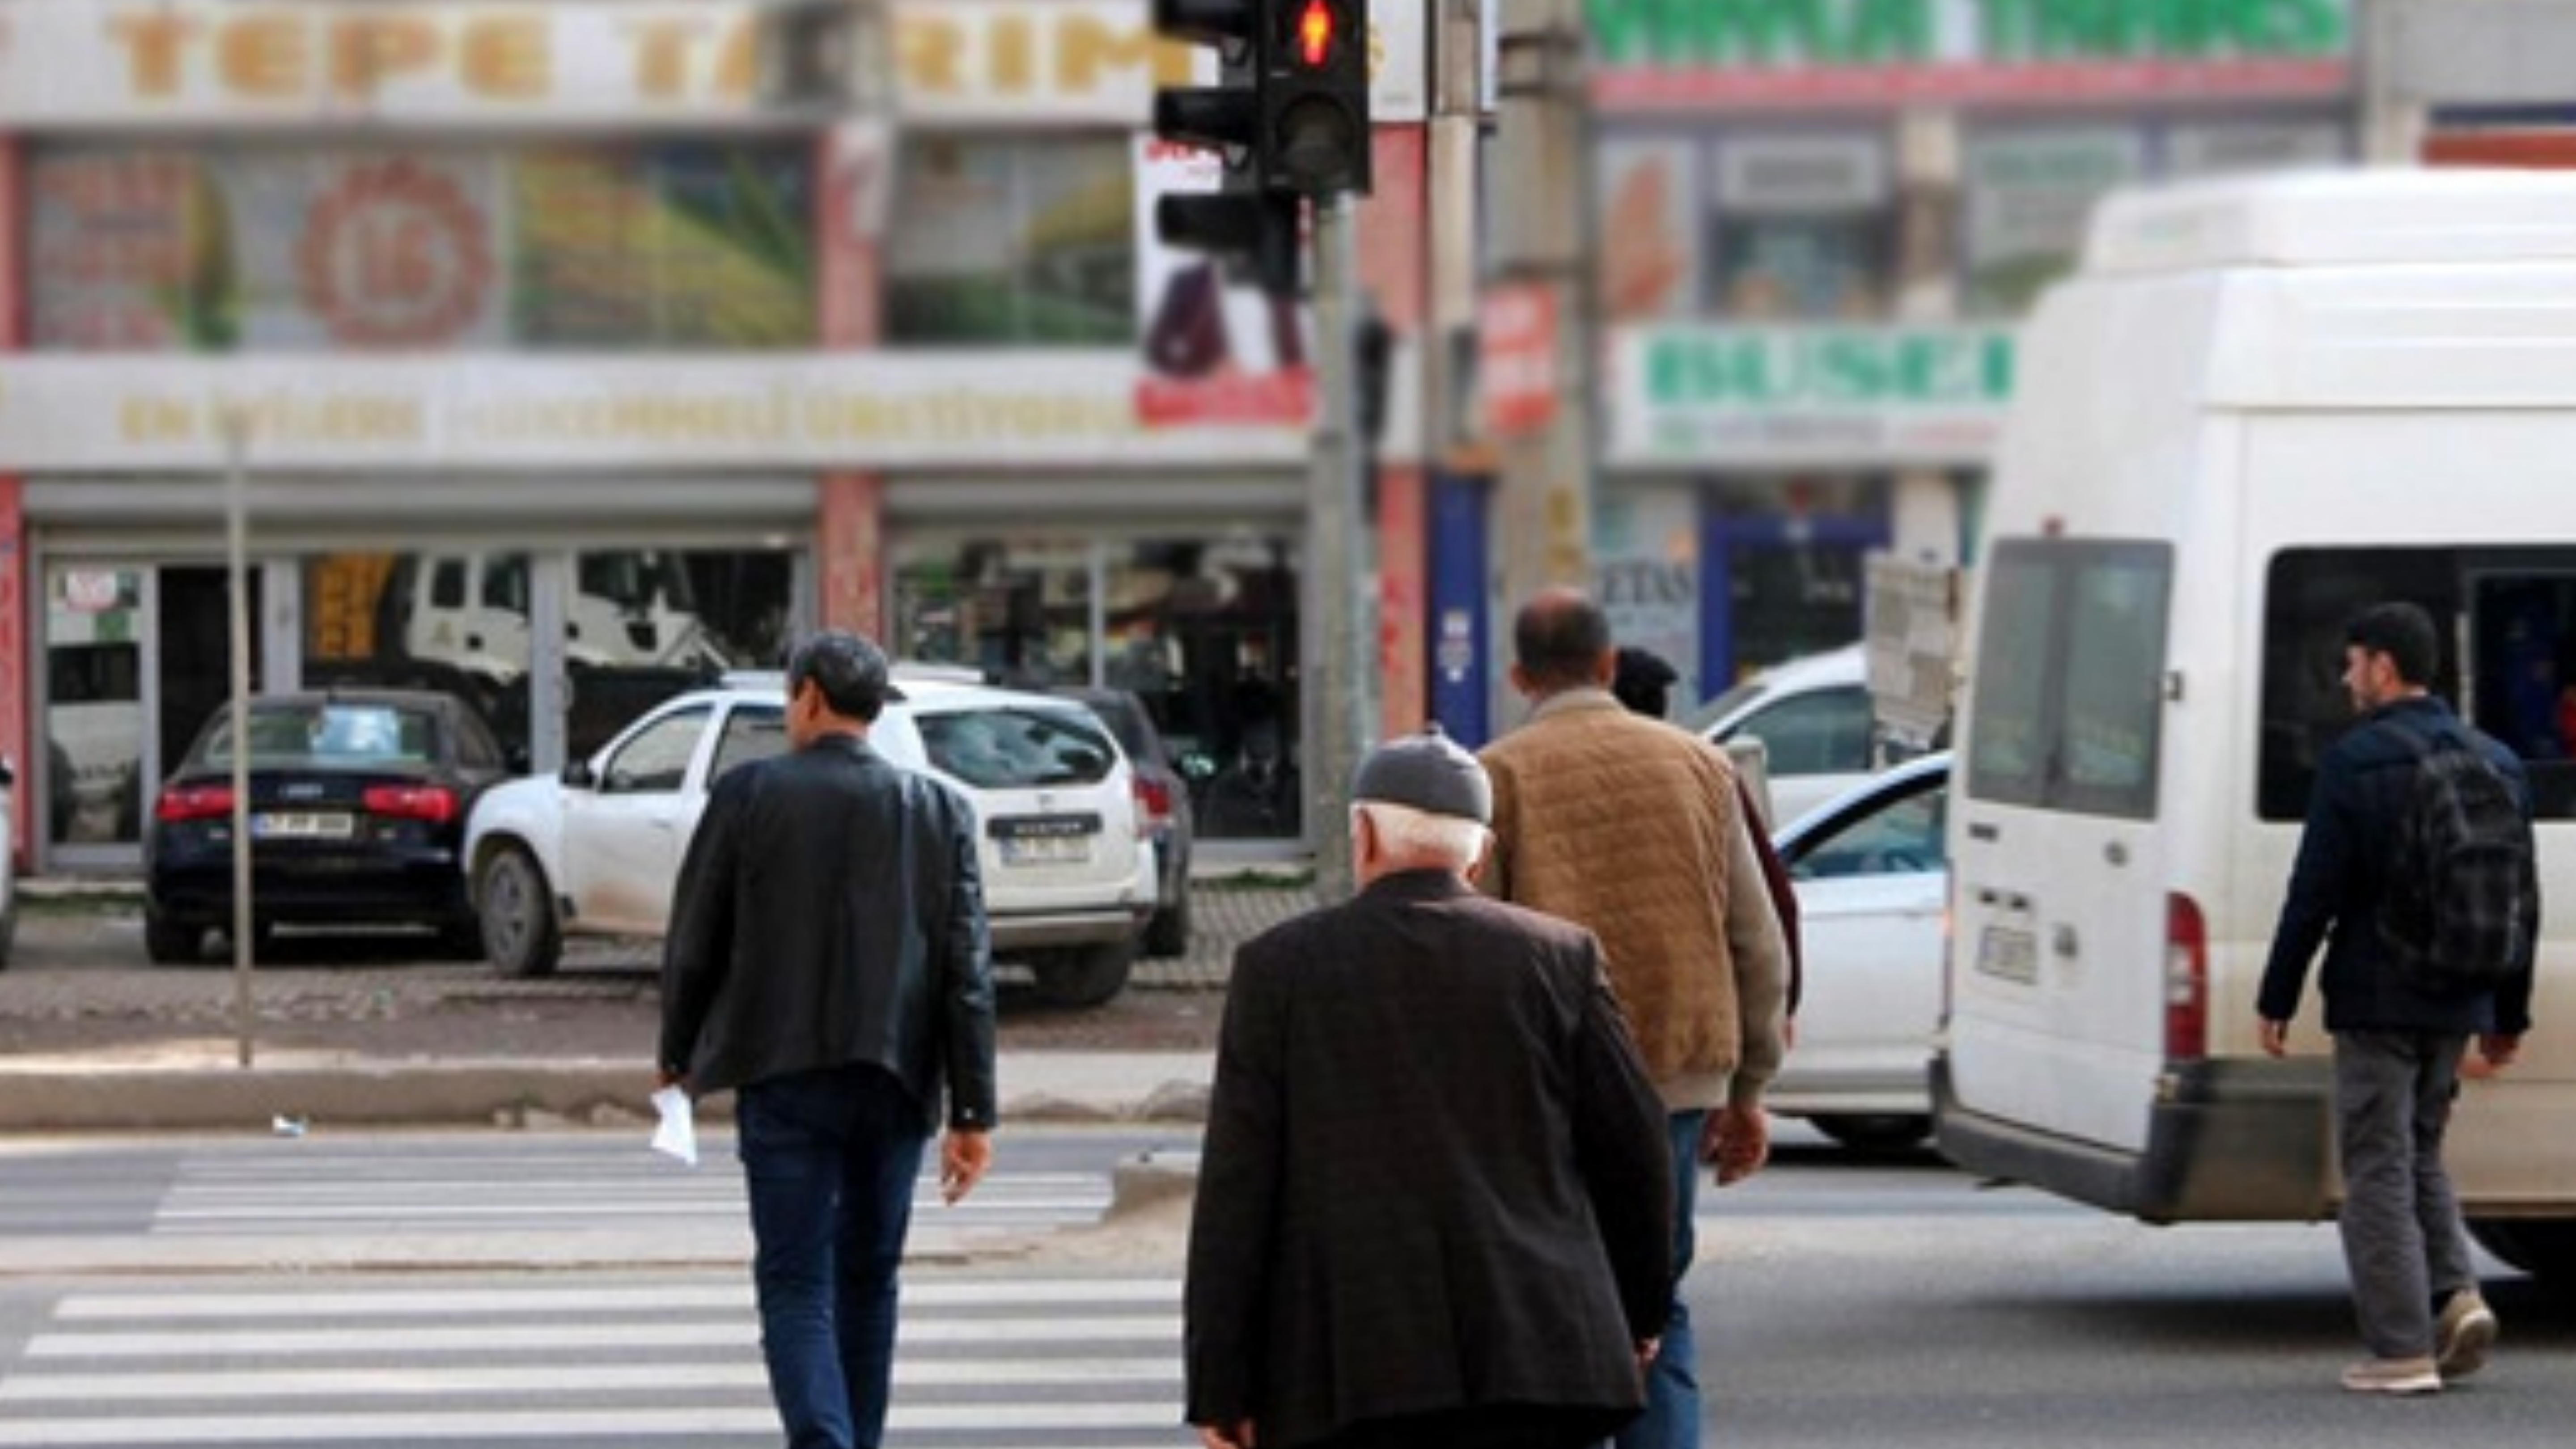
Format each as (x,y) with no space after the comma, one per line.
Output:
(828,959)
(2397,1043)
(1434,1194)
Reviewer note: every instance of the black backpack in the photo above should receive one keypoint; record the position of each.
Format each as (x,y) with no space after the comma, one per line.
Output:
(2463,899)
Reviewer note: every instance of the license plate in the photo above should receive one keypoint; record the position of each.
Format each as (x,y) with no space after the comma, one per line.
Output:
(1048,850)
(2009,953)
(302,825)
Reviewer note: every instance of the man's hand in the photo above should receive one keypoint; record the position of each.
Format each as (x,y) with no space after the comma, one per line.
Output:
(665,1077)
(1237,1435)
(2500,1048)
(963,1157)
(1738,1141)
(2275,1036)
(1647,1348)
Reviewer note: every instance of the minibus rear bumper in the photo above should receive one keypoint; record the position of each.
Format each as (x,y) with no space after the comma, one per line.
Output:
(2228,1140)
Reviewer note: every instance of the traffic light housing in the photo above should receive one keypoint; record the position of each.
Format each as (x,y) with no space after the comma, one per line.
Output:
(1252,228)
(1314,94)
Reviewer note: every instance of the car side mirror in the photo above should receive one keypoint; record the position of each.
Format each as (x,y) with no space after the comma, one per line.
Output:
(579,776)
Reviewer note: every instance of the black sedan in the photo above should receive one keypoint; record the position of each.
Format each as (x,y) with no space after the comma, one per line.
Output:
(358,801)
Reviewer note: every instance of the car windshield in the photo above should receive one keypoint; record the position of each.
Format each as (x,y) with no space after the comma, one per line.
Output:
(329,734)
(1018,747)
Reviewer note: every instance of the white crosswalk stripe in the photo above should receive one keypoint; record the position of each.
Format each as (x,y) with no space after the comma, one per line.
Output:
(311,1188)
(982,1363)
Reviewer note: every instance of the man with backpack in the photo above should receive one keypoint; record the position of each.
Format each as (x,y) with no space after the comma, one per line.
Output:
(2416,869)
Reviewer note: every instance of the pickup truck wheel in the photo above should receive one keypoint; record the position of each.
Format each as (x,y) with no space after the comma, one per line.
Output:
(1085,975)
(518,911)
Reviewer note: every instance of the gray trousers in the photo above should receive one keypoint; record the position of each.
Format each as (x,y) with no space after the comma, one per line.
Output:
(2402,1239)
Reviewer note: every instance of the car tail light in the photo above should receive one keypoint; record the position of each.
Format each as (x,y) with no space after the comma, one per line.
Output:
(193,802)
(2186,980)
(1153,799)
(433,803)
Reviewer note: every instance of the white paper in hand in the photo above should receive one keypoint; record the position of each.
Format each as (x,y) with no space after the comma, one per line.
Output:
(677,1133)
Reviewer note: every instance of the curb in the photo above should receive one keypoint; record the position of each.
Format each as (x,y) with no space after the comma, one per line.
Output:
(75,1097)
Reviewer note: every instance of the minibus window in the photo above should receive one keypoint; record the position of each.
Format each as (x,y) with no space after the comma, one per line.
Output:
(2507,617)
(2115,657)
(2008,760)
(2070,662)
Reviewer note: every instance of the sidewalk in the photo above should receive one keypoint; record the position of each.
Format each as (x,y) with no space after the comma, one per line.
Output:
(78,963)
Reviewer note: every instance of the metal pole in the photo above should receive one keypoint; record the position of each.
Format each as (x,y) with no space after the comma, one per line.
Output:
(236,426)
(1340,657)
(1543,524)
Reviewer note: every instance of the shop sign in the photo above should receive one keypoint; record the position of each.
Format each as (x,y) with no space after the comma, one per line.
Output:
(1686,55)
(1713,396)
(805,411)
(152,63)
(1516,336)
(1215,350)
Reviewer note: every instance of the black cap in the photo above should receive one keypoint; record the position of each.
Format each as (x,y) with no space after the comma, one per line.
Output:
(1429,773)
(850,669)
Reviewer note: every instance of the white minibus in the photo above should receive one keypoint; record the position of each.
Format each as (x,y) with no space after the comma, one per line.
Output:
(2258,406)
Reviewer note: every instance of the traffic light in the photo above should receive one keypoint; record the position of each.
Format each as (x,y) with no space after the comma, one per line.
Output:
(1253,228)
(1314,91)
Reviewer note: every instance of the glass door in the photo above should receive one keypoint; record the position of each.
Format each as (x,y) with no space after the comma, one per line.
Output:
(94,722)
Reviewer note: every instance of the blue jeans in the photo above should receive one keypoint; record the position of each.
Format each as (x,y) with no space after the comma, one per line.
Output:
(830,1158)
(1671,1420)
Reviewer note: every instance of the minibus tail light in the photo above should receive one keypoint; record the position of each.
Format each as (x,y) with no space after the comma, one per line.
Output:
(2186,980)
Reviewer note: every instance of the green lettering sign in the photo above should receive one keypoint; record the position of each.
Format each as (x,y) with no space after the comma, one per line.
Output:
(1792,368)
(1826,34)
(1760,32)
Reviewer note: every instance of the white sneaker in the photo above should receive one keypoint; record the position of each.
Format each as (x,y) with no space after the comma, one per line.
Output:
(2466,1330)
(2393,1376)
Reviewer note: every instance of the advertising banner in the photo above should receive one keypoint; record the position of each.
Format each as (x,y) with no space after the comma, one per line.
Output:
(1039,409)
(152,63)
(1853,397)
(1215,351)
(166,250)
(1653,56)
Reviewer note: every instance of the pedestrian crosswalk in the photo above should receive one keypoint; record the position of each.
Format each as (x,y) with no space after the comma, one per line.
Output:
(313,1187)
(981,1363)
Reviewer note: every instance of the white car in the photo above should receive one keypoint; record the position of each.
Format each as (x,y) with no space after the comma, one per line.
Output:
(1069,877)
(1813,718)
(1873,878)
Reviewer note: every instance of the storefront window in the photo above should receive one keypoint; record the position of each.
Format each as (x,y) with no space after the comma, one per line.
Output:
(640,625)
(1803,228)
(1203,631)
(2030,195)
(349,249)
(1013,241)
(94,719)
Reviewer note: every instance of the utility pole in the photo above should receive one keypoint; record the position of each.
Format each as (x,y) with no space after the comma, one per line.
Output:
(1339,644)
(1542,224)
(234,418)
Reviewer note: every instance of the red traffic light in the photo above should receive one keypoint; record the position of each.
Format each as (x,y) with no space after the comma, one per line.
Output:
(1315,25)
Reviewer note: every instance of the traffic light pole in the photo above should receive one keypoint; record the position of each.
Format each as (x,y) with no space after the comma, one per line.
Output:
(1338,648)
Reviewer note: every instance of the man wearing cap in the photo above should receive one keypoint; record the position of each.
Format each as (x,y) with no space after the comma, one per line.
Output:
(1432,1195)
(828,961)
(1633,828)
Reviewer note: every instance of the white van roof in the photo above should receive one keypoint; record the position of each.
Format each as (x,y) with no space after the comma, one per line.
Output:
(2388,217)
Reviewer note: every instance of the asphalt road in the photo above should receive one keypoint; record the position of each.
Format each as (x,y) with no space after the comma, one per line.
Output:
(1843,1301)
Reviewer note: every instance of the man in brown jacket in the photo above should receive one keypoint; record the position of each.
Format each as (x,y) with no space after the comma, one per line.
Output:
(1632,827)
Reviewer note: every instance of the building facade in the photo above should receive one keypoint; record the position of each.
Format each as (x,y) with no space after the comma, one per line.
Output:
(557,370)
(1817,224)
